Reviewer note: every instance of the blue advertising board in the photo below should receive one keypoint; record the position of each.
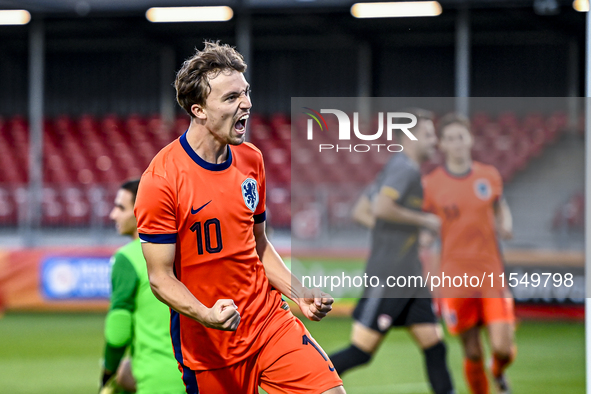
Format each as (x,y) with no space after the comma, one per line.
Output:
(71,278)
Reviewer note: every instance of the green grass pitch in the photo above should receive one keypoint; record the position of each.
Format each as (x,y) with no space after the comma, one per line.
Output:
(59,354)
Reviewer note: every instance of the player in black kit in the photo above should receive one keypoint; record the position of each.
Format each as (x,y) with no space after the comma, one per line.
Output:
(391,208)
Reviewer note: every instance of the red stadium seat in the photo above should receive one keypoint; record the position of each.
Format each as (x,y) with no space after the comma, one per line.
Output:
(341,200)
(181,124)
(507,120)
(52,206)
(279,205)
(570,216)
(259,132)
(479,120)
(279,119)
(8,207)
(77,207)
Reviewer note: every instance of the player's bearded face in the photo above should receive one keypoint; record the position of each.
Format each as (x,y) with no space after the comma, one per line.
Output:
(228,107)
(122,213)
(456,142)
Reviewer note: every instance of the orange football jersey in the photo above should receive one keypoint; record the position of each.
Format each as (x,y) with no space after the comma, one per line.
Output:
(465,205)
(209,211)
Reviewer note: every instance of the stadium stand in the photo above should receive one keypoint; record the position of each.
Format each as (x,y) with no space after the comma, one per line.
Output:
(570,215)
(86,157)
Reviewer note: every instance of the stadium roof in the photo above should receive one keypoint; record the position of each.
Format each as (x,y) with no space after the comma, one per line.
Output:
(83,7)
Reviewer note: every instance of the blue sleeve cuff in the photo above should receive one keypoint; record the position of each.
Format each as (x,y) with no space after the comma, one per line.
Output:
(261,217)
(158,238)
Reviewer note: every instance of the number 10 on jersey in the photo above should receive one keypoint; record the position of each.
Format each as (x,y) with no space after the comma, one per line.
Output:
(204,234)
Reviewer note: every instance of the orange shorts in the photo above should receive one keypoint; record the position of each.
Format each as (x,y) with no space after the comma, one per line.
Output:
(290,362)
(461,314)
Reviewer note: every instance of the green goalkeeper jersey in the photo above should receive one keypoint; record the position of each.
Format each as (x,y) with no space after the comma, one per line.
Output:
(136,319)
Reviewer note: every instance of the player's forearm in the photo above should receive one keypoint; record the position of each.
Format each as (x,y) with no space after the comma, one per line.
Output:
(175,294)
(279,276)
(504,219)
(113,356)
(368,222)
(362,212)
(401,215)
(385,208)
(164,284)
(364,218)
(505,223)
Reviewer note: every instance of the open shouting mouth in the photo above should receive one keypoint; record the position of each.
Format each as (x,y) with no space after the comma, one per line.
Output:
(240,125)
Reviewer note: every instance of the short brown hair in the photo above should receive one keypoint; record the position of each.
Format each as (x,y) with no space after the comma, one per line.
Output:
(453,118)
(192,80)
(419,113)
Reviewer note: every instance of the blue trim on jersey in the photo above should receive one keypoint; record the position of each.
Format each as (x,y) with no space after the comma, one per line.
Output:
(462,175)
(175,334)
(190,380)
(202,163)
(189,377)
(261,217)
(158,238)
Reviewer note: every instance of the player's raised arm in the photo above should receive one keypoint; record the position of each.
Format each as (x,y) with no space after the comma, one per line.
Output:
(168,289)
(503,218)
(386,208)
(314,303)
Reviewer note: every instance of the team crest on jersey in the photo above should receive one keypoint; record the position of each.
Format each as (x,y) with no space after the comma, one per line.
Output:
(482,189)
(250,193)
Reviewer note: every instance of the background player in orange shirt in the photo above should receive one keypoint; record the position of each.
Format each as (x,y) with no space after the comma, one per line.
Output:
(467,196)
(201,216)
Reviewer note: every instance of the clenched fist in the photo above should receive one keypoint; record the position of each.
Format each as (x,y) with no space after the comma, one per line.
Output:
(315,304)
(223,315)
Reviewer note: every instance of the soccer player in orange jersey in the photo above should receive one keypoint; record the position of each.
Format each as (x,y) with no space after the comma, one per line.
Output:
(468,197)
(201,217)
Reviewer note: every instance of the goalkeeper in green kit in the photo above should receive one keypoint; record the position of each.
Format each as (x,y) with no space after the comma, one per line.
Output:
(136,320)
